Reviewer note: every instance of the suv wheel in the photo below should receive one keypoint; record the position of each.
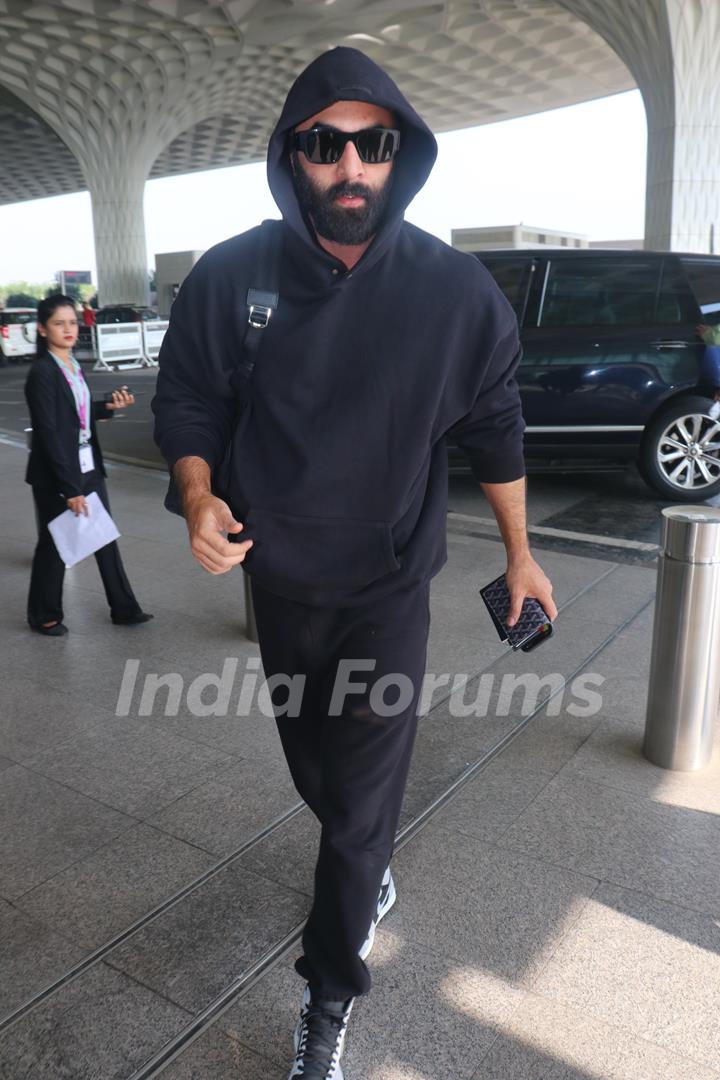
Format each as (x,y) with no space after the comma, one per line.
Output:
(680,451)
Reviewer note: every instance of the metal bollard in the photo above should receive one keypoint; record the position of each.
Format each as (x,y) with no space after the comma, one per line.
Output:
(684,685)
(250,625)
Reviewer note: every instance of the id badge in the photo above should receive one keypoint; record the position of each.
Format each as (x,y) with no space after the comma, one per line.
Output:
(87,463)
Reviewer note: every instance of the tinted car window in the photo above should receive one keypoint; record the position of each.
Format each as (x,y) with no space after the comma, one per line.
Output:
(113,315)
(124,314)
(512,276)
(676,303)
(16,318)
(705,281)
(600,292)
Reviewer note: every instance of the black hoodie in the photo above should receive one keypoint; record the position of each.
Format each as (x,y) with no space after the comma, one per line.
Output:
(339,460)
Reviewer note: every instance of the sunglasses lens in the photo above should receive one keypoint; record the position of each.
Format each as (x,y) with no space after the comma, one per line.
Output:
(375,145)
(322,147)
(325,146)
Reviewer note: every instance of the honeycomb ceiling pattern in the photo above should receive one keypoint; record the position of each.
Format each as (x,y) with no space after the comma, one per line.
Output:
(671,47)
(179,85)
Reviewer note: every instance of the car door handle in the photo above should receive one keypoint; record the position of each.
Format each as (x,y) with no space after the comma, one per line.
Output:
(666,343)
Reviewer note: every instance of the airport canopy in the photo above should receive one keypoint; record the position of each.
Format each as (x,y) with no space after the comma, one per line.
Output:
(101,96)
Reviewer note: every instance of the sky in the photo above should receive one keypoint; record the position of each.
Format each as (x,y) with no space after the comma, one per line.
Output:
(579,169)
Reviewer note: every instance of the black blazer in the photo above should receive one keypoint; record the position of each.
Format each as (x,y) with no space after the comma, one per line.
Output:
(54,463)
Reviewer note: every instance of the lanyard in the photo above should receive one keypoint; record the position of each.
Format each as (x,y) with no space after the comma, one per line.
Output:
(80,393)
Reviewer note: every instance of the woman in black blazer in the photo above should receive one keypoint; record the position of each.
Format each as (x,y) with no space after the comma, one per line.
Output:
(66,465)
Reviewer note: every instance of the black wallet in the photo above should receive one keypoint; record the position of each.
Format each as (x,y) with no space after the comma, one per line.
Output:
(533,626)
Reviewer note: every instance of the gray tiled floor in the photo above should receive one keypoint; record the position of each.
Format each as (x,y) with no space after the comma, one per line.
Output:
(418,1021)
(229,809)
(36,717)
(191,952)
(461,896)
(647,967)
(100,895)
(545,1040)
(105,1025)
(288,854)
(215,1056)
(129,764)
(629,839)
(32,954)
(46,827)
(612,756)
(556,920)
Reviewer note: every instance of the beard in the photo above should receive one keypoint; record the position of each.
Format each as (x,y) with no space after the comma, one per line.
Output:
(350,225)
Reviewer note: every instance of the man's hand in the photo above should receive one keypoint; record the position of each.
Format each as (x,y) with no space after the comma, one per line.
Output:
(525,578)
(523,575)
(207,519)
(78,505)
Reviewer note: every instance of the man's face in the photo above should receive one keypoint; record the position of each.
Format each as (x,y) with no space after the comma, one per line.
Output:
(345,201)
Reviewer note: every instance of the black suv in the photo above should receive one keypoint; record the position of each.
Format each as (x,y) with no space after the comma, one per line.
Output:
(125,313)
(611,360)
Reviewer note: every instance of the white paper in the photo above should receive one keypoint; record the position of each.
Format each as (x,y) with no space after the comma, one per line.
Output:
(76,537)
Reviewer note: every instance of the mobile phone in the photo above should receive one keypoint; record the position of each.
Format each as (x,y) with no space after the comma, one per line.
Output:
(108,395)
(532,628)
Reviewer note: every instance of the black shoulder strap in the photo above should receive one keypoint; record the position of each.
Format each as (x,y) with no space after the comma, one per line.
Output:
(262,300)
(263,297)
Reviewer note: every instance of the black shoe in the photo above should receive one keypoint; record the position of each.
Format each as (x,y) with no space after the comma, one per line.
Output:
(131,620)
(319,1038)
(57,630)
(386,899)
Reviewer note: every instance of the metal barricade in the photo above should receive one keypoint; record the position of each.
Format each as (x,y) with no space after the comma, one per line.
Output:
(153,333)
(119,346)
(684,688)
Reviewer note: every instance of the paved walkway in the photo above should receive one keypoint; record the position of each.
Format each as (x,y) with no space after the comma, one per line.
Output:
(558,899)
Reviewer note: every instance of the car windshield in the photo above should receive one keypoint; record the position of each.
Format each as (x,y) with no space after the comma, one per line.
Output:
(17,318)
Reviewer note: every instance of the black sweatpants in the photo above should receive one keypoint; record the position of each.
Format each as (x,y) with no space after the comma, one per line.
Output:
(48,569)
(350,768)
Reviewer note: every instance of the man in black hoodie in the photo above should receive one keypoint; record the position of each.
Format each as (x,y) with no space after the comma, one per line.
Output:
(385,342)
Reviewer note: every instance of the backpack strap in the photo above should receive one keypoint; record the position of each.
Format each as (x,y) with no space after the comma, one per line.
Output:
(262,298)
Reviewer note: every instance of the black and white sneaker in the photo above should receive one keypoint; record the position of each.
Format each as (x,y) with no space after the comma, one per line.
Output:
(386,899)
(319,1038)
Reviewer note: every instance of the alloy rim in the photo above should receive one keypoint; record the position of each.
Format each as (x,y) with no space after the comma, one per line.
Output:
(688,452)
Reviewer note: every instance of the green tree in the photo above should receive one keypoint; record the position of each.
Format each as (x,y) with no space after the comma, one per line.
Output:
(20,299)
(31,291)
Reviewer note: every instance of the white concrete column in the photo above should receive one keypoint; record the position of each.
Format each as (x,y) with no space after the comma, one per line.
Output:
(683,184)
(117,83)
(672,48)
(116,191)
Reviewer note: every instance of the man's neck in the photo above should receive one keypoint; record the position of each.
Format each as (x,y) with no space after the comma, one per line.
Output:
(349,254)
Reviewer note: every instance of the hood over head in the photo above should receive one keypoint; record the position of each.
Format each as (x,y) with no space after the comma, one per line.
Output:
(344,74)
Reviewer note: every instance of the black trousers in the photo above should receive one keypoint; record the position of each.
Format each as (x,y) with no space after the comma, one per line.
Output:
(348,758)
(48,569)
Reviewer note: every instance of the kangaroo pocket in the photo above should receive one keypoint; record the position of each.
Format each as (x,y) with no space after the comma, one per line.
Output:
(317,551)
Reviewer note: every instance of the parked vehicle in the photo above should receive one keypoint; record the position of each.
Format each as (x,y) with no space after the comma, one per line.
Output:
(18,330)
(611,358)
(125,313)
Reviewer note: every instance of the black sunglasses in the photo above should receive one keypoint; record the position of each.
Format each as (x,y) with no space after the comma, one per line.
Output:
(326,145)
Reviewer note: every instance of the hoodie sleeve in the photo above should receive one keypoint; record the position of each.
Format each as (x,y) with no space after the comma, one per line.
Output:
(193,417)
(491,434)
